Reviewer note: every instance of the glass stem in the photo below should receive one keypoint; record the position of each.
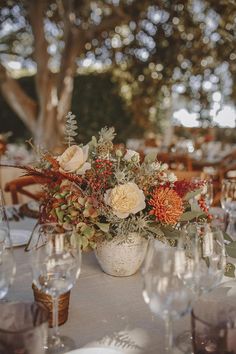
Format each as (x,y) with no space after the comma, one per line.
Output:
(55,329)
(168,335)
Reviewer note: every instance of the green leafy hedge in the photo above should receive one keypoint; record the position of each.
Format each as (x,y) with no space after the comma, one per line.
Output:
(96,103)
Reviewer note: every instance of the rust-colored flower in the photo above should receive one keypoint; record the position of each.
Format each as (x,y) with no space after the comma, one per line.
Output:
(167,206)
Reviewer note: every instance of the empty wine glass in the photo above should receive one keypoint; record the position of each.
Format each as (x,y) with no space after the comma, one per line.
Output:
(165,290)
(228,195)
(7,261)
(56,263)
(208,193)
(206,244)
(231,228)
(206,259)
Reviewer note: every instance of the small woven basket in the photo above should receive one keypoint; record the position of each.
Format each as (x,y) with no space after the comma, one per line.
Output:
(63,304)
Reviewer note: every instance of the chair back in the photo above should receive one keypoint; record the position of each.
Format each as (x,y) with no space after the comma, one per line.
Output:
(20,186)
(176,161)
(188,175)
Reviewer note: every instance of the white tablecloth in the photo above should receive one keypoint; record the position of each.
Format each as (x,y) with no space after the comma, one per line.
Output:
(104,310)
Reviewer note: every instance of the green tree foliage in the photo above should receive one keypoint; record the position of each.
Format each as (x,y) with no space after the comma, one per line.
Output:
(156,49)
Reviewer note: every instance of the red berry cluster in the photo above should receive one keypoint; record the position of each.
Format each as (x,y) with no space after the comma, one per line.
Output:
(202,204)
(103,170)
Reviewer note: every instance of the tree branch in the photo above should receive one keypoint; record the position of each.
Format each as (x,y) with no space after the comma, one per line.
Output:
(22,104)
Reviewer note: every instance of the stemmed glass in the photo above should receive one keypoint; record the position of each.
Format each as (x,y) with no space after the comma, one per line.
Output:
(206,257)
(164,289)
(204,245)
(228,203)
(56,264)
(228,195)
(7,261)
(209,194)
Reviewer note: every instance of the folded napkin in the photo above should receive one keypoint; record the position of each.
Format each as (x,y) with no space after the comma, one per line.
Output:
(19,237)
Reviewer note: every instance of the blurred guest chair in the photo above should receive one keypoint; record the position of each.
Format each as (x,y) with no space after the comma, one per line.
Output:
(189,175)
(176,161)
(20,186)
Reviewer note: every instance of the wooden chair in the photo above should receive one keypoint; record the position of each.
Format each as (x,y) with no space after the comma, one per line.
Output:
(20,185)
(188,175)
(176,161)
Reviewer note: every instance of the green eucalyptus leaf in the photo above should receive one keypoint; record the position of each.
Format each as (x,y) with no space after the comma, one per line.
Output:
(169,232)
(230,270)
(103,226)
(92,245)
(156,230)
(227,237)
(231,249)
(88,232)
(60,214)
(192,194)
(190,215)
(84,242)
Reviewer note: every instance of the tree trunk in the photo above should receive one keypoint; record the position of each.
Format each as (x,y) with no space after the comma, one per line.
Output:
(46,118)
(49,130)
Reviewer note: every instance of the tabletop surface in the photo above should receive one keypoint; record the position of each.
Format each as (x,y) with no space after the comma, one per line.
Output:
(104,310)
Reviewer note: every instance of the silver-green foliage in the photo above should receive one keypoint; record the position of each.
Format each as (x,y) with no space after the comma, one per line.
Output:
(71,128)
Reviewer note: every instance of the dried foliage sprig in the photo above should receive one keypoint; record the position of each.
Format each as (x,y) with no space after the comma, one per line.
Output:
(71,128)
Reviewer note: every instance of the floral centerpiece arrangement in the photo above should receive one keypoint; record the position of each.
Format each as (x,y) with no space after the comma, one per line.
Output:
(102,191)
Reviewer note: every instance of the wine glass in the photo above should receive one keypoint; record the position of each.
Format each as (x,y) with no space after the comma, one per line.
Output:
(231,227)
(206,245)
(206,259)
(56,264)
(228,195)
(209,194)
(165,289)
(7,261)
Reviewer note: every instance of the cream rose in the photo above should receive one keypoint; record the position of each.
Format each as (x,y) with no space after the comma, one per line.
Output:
(125,199)
(74,159)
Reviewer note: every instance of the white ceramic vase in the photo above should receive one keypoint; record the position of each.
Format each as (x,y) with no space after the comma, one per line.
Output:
(123,255)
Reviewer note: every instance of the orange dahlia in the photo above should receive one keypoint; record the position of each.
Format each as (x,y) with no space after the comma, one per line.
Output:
(167,206)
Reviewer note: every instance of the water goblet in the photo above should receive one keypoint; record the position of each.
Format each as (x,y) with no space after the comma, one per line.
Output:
(56,264)
(164,288)
(7,261)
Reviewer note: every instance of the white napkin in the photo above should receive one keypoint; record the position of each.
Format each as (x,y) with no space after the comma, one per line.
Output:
(19,237)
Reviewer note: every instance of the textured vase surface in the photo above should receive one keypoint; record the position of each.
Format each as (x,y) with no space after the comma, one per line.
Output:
(123,255)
